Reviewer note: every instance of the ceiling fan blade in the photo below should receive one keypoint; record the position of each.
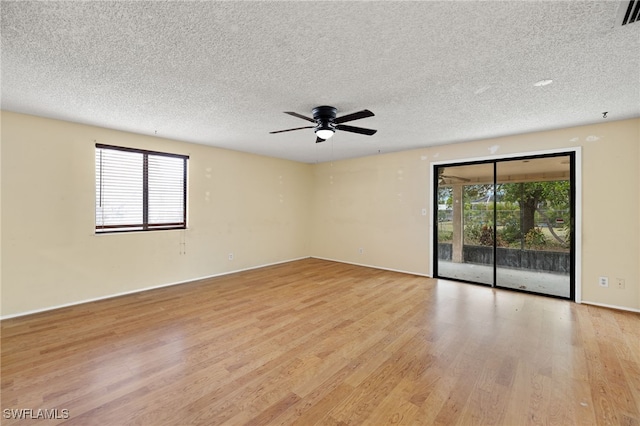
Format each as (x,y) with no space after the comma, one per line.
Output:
(295,114)
(290,130)
(318,139)
(353,129)
(355,116)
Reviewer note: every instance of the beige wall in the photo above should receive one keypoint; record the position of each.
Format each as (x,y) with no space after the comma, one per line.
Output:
(375,203)
(256,207)
(267,210)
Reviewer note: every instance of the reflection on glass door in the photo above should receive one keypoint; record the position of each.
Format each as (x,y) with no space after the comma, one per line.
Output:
(534,225)
(465,223)
(507,223)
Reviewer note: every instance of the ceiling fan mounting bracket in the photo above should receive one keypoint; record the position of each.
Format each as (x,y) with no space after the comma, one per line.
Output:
(323,113)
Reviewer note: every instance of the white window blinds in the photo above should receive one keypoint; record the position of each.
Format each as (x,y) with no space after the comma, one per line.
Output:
(138,190)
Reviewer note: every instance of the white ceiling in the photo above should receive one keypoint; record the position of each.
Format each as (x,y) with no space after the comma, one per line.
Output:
(222,73)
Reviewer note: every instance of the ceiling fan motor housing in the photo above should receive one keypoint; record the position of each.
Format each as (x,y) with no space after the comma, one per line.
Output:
(324,116)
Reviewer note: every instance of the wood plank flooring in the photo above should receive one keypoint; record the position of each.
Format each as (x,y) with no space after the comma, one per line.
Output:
(317,342)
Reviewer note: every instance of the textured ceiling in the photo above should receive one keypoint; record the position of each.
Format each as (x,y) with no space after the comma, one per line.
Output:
(221,73)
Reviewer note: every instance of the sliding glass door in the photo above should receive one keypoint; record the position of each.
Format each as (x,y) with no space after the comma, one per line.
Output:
(465,223)
(534,233)
(507,223)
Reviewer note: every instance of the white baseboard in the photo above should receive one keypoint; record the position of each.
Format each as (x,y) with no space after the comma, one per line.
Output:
(110,296)
(372,266)
(140,290)
(604,305)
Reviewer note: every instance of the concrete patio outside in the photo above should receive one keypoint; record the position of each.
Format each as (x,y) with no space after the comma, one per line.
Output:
(554,284)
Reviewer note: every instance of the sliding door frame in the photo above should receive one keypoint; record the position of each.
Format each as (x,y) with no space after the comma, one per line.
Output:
(576,192)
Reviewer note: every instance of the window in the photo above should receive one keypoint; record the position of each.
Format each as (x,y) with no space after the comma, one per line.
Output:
(138,190)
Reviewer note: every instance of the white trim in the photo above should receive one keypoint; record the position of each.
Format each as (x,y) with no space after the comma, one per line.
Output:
(577,150)
(507,156)
(372,266)
(604,305)
(577,216)
(125,293)
(96,299)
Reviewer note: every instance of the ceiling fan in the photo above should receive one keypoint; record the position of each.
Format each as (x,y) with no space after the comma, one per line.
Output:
(442,177)
(326,122)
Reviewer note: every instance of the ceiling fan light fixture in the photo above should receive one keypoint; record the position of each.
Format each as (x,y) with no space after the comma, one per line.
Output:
(324,132)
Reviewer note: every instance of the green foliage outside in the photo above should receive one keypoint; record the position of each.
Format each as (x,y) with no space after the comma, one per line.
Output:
(445,236)
(535,239)
(530,215)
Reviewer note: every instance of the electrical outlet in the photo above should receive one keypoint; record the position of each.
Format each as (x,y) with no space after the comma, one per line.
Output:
(604,281)
(360,250)
(424,212)
(620,283)
(230,256)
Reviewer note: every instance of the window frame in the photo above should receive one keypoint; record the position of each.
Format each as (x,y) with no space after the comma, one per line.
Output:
(145,226)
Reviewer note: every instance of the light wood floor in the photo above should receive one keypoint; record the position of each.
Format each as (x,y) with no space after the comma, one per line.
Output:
(316,342)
